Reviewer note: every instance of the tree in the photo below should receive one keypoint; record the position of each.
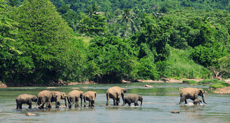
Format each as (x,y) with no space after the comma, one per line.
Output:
(46,37)
(112,58)
(94,23)
(127,15)
(222,68)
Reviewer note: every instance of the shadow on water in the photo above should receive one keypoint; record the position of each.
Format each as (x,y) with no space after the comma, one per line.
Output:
(158,103)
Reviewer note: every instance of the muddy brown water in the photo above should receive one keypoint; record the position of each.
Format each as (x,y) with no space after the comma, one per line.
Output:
(158,103)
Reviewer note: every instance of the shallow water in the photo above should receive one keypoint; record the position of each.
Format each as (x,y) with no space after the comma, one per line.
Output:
(158,103)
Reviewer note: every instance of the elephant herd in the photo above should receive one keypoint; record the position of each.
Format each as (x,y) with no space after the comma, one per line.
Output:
(47,96)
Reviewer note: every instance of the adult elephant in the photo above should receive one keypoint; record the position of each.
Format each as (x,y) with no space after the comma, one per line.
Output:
(89,96)
(115,93)
(48,97)
(25,99)
(191,93)
(73,97)
(133,98)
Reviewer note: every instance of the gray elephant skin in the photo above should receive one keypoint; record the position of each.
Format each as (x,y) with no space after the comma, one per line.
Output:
(89,96)
(25,99)
(133,98)
(48,97)
(73,97)
(115,93)
(191,93)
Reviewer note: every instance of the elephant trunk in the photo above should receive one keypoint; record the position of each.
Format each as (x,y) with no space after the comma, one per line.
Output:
(122,95)
(141,102)
(203,98)
(65,102)
(58,103)
(81,100)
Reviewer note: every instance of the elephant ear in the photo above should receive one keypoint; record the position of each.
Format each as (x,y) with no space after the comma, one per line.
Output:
(140,98)
(201,91)
(123,90)
(63,95)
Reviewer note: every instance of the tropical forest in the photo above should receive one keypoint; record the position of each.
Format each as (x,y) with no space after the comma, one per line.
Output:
(107,41)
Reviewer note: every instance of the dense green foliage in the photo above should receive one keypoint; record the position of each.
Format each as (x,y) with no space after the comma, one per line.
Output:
(130,40)
(220,84)
(113,59)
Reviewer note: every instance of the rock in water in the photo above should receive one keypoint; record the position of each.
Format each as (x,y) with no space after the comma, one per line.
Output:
(30,114)
(148,86)
(175,112)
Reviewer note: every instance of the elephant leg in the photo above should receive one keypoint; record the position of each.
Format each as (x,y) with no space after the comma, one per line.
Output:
(20,106)
(123,103)
(107,97)
(69,102)
(84,102)
(90,103)
(117,101)
(136,103)
(30,105)
(42,102)
(181,100)
(17,106)
(114,101)
(49,104)
(76,102)
(185,101)
(129,104)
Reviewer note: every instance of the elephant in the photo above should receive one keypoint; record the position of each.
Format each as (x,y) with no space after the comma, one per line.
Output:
(49,97)
(25,99)
(191,93)
(115,93)
(132,98)
(196,101)
(73,97)
(89,96)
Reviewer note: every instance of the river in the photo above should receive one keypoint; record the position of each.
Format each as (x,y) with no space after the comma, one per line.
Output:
(158,102)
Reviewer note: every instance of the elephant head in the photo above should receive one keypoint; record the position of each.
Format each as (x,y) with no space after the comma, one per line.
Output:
(201,93)
(140,98)
(123,91)
(58,96)
(34,98)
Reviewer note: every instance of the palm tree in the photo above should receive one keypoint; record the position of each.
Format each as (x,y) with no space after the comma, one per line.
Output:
(92,10)
(127,17)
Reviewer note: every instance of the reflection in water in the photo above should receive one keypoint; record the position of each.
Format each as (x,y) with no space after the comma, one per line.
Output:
(193,112)
(112,107)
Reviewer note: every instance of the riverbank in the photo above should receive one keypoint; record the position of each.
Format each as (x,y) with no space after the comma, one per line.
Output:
(225,90)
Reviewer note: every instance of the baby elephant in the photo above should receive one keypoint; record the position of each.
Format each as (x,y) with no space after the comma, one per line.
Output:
(89,96)
(196,101)
(132,98)
(25,99)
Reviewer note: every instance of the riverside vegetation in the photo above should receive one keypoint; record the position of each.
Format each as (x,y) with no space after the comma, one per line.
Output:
(46,41)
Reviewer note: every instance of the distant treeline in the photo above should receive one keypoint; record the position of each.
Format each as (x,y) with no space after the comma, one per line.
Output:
(147,5)
(130,40)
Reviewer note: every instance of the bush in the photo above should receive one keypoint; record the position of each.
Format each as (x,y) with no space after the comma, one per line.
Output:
(217,85)
(190,82)
(210,81)
(181,66)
